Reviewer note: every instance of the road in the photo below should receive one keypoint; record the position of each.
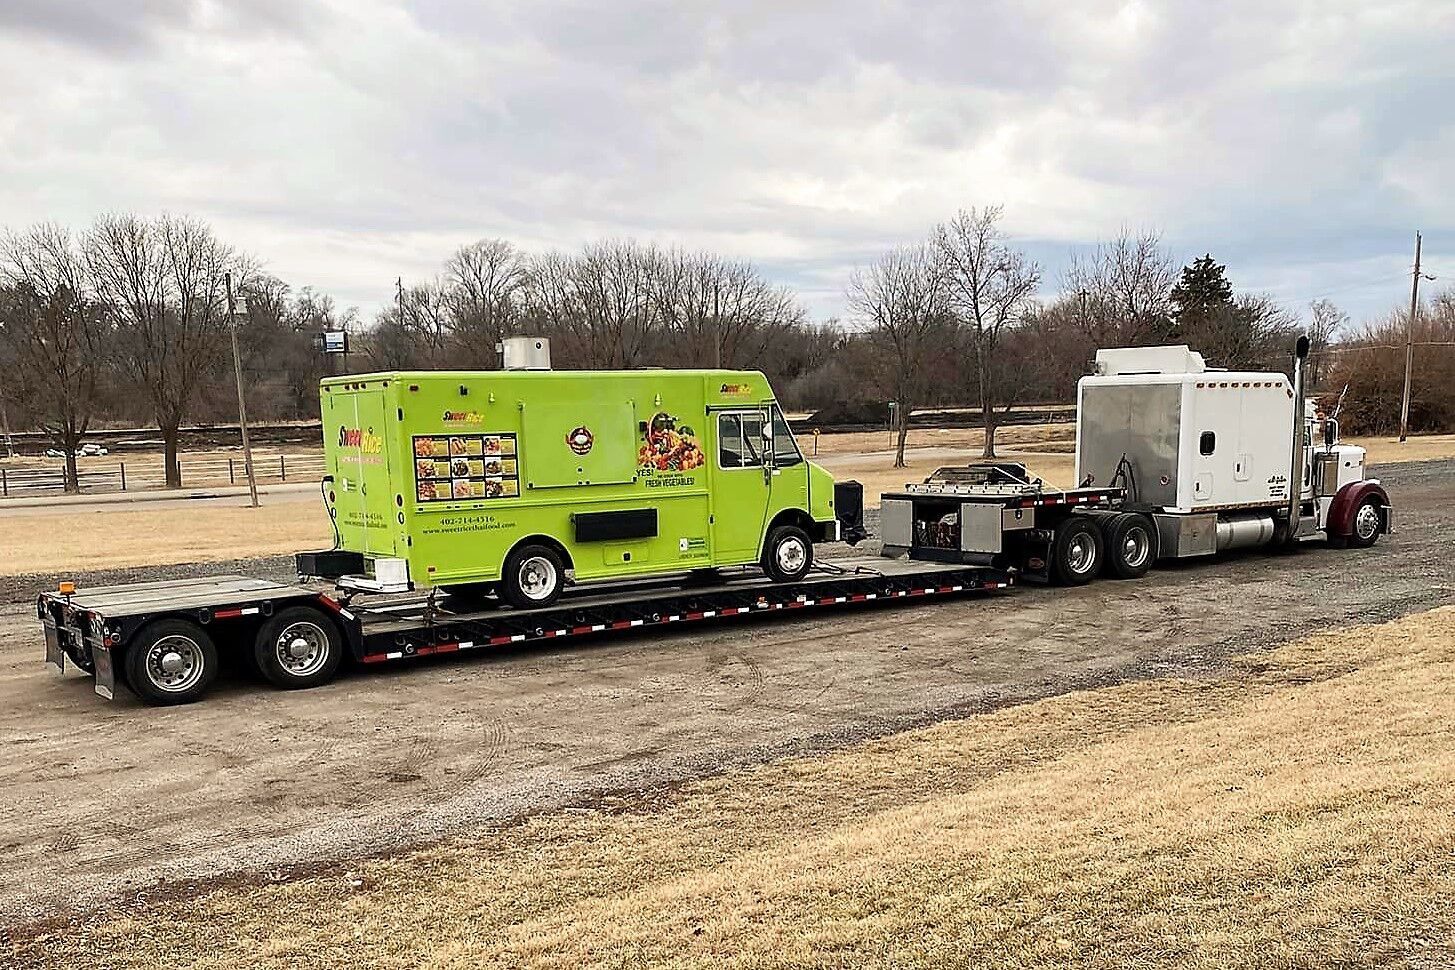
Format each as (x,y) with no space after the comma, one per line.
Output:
(106,799)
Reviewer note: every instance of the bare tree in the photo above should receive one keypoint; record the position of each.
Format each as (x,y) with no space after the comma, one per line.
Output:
(1124,289)
(902,299)
(990,288)
(54,338)
(1326,320)
(720,311)
(163,280)
(483,292)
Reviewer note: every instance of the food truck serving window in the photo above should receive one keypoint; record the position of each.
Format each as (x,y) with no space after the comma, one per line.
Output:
(740,439)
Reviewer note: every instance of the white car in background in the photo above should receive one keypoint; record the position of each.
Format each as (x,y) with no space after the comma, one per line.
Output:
(85,451)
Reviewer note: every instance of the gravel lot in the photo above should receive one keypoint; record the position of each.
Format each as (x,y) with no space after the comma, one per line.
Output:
(107,799)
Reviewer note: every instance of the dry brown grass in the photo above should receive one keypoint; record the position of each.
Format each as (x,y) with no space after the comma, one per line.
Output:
(1389,451)
(110,536)
(1296,808)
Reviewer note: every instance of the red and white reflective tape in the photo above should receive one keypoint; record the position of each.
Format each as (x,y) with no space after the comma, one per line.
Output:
(801,601)
(233,613)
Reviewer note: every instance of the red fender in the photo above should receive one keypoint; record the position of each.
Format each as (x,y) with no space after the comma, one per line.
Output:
(1341,512)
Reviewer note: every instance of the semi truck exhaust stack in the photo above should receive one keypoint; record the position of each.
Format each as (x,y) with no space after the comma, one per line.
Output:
(1295,470)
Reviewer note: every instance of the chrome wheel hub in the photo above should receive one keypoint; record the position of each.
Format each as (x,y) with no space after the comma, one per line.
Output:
(1081,554)
(302,648)
(538,577)
(1366,523)
(174,663)
(1136,546)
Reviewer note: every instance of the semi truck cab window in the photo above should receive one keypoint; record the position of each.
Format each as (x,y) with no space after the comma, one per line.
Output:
(740,439)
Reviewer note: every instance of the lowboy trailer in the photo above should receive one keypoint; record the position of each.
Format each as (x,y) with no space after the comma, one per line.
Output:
(164,639)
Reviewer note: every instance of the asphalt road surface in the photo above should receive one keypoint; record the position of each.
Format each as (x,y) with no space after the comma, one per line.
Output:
(104,800)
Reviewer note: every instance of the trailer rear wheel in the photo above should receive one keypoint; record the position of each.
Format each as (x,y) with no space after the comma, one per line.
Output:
(1076,551)
(1131,545)
(171,661)
(788,554)
(298,647)
(533,577)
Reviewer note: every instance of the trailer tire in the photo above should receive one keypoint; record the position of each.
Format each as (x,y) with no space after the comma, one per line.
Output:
(1131,545)
(788,554)
(1366,525)
(1076,551)
(533,577)
(298,647)
(170,661)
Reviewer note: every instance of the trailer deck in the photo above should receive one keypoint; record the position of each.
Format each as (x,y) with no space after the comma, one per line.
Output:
(89,626)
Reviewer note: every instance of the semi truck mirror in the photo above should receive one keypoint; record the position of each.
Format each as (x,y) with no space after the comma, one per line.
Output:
(1331,433)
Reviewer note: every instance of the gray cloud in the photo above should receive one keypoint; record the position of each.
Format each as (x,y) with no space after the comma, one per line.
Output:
(347,141)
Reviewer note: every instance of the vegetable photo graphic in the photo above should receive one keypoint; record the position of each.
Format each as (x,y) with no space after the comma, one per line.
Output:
(668,447)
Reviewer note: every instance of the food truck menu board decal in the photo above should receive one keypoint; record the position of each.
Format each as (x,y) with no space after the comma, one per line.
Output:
(453,468)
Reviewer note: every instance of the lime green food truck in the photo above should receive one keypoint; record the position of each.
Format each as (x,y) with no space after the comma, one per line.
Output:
(522,481)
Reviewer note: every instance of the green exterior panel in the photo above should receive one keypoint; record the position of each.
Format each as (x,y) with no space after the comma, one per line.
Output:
(450,470)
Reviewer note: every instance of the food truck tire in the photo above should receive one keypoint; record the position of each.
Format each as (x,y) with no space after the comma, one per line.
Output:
(788,554)
(534,576)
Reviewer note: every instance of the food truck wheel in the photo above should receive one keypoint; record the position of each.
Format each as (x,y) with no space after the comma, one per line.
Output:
(299,647)
(533,577)
(171,661)
(788,554)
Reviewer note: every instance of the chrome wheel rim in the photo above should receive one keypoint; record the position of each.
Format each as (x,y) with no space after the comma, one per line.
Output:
(302,648)
(1366,523)
(1080,554)
(790,555)
(537,578)
(1136,547)
(174,664)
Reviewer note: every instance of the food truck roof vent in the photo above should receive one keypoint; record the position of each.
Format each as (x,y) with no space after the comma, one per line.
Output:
(525,353)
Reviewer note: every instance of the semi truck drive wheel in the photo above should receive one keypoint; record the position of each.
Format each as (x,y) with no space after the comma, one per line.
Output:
(298,647)
(533,577)
(788,554)
(171,661)
(1367,524)
(1076,551)
(1130,542)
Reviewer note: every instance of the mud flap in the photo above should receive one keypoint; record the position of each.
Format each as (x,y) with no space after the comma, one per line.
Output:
(105,675)
(53,652)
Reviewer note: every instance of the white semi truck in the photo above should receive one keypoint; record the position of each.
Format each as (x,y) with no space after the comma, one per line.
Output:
(1173,459)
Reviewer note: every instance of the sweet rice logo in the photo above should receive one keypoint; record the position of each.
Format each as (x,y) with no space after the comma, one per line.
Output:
(463,417)
(366,441)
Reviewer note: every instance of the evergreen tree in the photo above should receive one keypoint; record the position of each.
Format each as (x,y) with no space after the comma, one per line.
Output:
(1202,293)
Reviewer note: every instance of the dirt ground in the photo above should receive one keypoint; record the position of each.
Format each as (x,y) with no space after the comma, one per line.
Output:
(107,799)
(1292,808)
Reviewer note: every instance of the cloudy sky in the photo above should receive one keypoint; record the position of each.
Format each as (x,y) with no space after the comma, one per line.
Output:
(349,141)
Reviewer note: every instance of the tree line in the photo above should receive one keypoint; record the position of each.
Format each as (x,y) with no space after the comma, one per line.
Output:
(131,320)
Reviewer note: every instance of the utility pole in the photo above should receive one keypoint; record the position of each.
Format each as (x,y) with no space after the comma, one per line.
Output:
(242,406)
(5,429)
(1409,344)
